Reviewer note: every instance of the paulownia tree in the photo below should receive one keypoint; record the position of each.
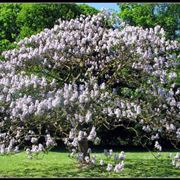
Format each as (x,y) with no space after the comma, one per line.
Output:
(68,81)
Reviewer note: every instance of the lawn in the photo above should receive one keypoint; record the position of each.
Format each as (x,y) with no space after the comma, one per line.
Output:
(58,164)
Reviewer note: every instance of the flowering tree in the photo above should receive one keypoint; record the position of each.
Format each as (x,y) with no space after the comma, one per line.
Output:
(70,80)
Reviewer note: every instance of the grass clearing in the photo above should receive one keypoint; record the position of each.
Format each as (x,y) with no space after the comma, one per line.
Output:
(58,164)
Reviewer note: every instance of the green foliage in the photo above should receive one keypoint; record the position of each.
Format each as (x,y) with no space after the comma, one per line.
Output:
(8,26)
(58,164)
(8,15)
(18,21)
(4,44)
(149,15)
(33,18)
(136,14)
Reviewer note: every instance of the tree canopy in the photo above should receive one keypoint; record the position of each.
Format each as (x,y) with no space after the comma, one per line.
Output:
(83,75)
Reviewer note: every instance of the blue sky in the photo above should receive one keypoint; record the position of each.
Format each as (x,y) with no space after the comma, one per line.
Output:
(103,5)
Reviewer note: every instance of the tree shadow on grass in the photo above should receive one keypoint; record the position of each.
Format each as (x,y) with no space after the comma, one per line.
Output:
(152,168)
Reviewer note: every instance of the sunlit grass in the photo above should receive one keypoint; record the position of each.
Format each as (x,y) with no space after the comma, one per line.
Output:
(58,164)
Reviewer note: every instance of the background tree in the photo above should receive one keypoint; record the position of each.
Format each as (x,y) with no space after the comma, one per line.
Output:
(22,20)
(167,15)
(9,30)
(34,17)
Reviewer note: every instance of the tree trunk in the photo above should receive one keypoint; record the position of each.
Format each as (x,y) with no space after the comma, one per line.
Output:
(83,147)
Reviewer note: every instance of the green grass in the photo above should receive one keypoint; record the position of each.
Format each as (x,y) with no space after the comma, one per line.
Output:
(58,164)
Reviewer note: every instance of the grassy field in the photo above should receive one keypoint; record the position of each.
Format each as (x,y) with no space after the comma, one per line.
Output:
(58,164)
